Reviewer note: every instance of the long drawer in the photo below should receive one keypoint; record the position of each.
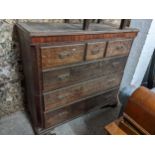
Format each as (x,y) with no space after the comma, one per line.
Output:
(65,76)
(60,115)
(67,95)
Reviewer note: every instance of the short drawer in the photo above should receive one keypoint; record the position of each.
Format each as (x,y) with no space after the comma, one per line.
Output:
(52,56)
(95,50)
(118,47)
(66,113)
(68,95)
(65,76)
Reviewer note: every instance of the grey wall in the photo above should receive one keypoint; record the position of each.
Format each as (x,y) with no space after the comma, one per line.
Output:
(145,57)
(143,25)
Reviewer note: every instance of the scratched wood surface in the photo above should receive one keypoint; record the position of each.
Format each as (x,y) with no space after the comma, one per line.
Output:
(64,114)
(72,74)
(61,55)
(95,50)
(82,37)
(49,29)
(67,95)
(118,47)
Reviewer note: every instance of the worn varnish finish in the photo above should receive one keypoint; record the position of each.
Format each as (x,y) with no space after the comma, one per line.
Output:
(118,47)
(86,37)
(61,55)
(69,71)
(73,93)
(107,98)
(68,75)
(29,74)
(95,50)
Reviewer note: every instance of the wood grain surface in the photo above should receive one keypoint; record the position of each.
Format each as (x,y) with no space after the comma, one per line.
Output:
(72,74)
(67,95)
(61,55)
(82,37)
(118,47)
(95,50)
(66,113)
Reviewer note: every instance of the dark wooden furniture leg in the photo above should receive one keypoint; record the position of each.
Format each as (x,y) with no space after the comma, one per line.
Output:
(86,23)
(124,23)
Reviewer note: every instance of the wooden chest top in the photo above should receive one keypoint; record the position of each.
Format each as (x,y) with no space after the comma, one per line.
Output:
(51,29)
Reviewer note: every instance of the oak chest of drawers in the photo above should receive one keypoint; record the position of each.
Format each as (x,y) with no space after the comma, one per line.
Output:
(68,71)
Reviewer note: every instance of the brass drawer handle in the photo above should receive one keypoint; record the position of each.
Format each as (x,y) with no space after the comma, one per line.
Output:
(115,64)
(63,113)
(64,76)
(95,51)
(78,89)
(65,54)
(62,96)
(120,48)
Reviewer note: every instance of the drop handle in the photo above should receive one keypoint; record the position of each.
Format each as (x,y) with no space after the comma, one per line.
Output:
(120,48)
(62,96)
(67,53)
(64,113)
(95,51)
(64,55)
(64,76)
(79,89)
(116,64)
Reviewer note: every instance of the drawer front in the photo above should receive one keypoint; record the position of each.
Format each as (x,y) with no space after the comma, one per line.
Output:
(95,50)
(116,48)
(66,76)
(61,55)
(74,110)
(68,95)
